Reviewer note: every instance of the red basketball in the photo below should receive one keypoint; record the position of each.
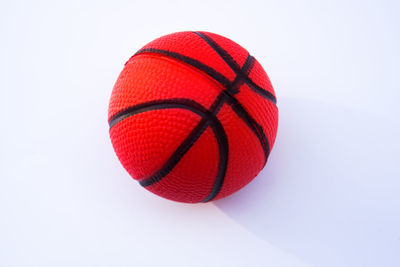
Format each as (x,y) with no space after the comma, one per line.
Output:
(193,117)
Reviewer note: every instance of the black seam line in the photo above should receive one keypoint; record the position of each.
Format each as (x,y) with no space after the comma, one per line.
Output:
(248,64)
(226,94)
(251,123)
(210,71)
(247,67)
(239,110)
(208,119)
(191,61)
(243,114)
(235,67)
(182,103)
(223,146)
(177,155)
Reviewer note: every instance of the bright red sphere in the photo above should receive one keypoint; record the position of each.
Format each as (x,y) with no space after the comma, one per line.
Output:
(193,117)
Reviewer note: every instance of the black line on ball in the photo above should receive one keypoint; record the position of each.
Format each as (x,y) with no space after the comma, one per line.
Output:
(236,68)
(182,103)
(244,115)
(223,145)
(248,64)
(247,67)
(191,61)
(208,119)
(177,155)
(252,124)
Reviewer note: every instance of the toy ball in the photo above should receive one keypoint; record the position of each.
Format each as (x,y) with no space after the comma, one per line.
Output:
(193,117)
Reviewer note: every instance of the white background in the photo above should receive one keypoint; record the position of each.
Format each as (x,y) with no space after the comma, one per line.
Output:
(329,195)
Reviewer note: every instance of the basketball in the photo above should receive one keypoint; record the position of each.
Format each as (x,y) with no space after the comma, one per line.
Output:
(193,117)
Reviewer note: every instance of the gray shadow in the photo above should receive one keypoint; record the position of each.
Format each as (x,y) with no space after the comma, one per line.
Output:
(329,194)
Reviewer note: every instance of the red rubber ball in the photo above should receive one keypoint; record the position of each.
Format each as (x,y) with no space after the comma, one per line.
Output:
(193,117)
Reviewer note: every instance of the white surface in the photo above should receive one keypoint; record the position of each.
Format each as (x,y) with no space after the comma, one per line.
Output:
(329,195)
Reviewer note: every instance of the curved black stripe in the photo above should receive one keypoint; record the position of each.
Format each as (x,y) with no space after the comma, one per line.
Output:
(240,110)
(247,67)
(183,103)
(260,90)
(208,118)
(223,145)
(221,52)
(235,67)
(248,64)
(191,61)
(252,124)
(177,155)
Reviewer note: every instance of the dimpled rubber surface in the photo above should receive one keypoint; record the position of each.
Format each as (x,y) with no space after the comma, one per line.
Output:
(139,148)
(246,157)
(177,125)
(199,175)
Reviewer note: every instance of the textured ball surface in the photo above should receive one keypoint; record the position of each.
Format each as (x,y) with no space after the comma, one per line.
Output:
(193,117)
